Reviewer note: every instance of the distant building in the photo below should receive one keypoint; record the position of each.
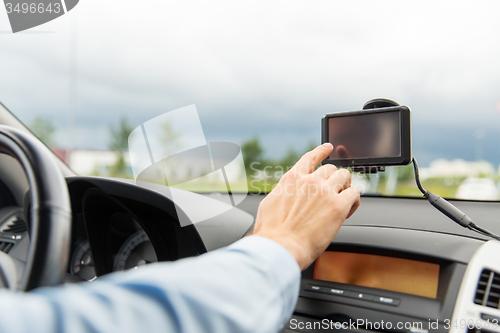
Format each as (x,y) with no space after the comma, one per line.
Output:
(61,153)
(457,168)
(180,170)
(89,162)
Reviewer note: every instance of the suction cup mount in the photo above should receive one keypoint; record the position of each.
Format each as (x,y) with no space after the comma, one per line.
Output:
(374,104)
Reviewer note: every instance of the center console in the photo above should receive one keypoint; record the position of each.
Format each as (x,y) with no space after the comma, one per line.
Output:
(377,285)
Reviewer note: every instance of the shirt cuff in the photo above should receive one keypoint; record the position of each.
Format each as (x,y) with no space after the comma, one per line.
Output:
(282,267)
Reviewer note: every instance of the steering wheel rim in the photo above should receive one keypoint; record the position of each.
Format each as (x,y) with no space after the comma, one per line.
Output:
(50,209)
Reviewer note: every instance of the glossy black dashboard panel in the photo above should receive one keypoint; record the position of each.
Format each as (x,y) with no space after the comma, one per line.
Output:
(111,222)
(107,213)
(120,224)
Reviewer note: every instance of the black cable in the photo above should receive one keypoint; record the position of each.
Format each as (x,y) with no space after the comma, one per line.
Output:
(417,177)
(486,234)
(484,231)
(479,231)
(448,209)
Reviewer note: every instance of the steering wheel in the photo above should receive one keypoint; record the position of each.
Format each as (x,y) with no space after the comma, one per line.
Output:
(49,214)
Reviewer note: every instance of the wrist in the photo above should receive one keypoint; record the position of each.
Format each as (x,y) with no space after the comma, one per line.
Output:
(294,246)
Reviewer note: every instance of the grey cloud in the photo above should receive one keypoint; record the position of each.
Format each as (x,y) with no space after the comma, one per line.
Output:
(259,68)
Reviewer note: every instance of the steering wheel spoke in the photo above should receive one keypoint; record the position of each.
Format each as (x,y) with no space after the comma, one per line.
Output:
(49,215)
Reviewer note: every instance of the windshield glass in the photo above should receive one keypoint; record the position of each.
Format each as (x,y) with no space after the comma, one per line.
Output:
(261,75)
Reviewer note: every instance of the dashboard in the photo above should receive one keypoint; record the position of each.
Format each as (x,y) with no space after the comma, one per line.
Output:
(396,265)
(119,225)
(399,265)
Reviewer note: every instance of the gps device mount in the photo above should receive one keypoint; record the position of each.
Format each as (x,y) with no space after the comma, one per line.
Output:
(379,103)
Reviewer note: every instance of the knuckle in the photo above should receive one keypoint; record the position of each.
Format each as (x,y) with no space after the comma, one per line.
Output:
(310,153)
(354,192)
(308,180)
(264,201)
(290,174)
(337,188)
(345,173)
(328,167)
(307,156)
(285,176)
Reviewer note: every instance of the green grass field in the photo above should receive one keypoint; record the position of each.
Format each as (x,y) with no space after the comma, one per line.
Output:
(444,187)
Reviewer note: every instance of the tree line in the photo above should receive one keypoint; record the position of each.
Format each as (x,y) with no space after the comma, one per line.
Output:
(252,149)
(254,156)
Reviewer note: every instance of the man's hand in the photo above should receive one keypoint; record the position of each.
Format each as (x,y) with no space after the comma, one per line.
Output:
(307,208)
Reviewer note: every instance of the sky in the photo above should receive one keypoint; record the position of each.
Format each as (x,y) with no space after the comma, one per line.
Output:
(269,69)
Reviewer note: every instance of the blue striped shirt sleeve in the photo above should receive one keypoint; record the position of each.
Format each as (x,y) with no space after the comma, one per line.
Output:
(249,286)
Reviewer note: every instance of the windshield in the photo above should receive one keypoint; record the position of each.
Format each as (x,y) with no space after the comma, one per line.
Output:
(261,75)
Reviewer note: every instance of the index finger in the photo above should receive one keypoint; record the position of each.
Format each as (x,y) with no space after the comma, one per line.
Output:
(309,161)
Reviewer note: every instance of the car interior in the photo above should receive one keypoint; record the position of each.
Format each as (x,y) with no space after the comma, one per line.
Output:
(397,264)
(271,80)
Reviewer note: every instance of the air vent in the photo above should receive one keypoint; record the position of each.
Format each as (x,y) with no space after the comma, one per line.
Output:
(14,225)
(488,289)
(6,246)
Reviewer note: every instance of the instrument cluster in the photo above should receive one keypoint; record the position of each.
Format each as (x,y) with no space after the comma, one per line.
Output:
(136,250)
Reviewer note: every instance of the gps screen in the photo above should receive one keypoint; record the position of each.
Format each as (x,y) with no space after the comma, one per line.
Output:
(372,135)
